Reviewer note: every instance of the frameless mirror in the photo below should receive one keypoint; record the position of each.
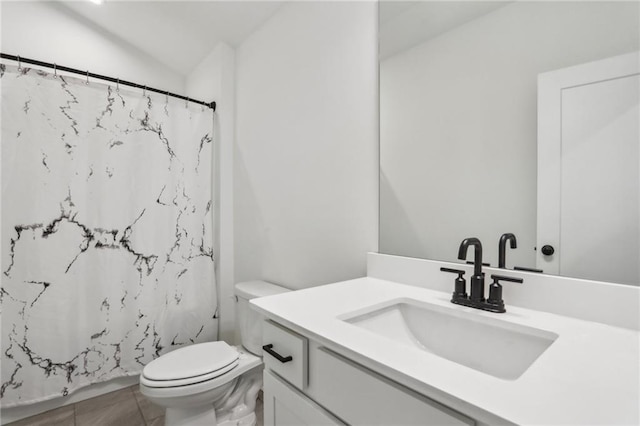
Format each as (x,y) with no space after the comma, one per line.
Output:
(512,117)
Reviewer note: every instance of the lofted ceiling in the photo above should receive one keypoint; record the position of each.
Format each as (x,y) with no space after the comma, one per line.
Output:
(178,34)
(405,24)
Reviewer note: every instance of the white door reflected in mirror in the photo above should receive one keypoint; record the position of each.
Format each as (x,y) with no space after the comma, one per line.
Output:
(588,170)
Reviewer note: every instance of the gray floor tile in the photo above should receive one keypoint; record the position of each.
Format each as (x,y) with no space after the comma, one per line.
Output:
(150,411)
(158,421)
(63,416)
(126,407)
(105,400)
(122,413)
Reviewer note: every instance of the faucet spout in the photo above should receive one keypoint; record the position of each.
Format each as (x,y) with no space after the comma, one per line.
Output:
(502,248)
(477,257)
(477,280)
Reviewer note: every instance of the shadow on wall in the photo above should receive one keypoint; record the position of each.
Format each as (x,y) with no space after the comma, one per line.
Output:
(397,234)
(250,229)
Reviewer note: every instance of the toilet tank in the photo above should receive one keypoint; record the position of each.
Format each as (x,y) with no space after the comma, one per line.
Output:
(249,321)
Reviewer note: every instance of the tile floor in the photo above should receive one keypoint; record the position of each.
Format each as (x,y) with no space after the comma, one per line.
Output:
(126,407)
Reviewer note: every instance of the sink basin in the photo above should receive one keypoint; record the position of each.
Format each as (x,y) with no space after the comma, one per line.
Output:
(488,345)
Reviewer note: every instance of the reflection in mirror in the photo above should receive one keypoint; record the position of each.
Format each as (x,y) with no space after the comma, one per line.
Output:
(460,128)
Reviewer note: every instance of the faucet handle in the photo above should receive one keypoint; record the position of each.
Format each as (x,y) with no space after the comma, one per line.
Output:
(495,290)
(522,268)
(460,290)
(471,262)
(497,278)
(453,271)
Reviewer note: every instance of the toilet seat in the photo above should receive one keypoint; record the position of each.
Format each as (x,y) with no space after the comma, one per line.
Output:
(190,365)
(153,388)
(189,380)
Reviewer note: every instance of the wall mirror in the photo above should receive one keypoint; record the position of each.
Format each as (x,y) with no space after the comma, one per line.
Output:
(469,93)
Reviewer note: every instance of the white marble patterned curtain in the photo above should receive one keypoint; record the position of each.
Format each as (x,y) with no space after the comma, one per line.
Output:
(107,251)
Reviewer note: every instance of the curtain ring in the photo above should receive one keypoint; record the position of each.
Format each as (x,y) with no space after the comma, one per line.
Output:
(118,85)
(55,70)
(19,64)
(186,103)
(87,82)
(166,97)
(144,91)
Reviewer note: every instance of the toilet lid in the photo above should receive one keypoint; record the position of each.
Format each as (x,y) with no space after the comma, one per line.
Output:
(191,361)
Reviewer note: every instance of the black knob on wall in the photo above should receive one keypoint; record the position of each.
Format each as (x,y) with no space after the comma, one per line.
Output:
(548,250)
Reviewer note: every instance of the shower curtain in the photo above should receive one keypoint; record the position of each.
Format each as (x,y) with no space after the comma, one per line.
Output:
(107,251)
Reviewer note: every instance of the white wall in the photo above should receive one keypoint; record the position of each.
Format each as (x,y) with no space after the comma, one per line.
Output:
(214,79)
(50,32)
(458,123)
(306,164)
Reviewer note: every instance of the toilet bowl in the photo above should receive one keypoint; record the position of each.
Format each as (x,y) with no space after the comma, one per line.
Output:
(204,384)
(213,383)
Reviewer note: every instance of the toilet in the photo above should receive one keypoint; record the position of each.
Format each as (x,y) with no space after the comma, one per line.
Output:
(213,383)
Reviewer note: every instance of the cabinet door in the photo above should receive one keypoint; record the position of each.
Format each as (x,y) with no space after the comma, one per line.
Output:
(362,397)
(286,406)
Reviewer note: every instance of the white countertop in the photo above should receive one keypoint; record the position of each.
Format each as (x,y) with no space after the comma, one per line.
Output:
(589,375)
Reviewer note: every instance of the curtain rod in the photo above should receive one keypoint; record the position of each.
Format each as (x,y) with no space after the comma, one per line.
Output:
(88,74)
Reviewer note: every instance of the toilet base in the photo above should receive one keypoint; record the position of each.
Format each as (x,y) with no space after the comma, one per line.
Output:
(188,417)
(235,408)
(204,416)
(248,420)
(200,415)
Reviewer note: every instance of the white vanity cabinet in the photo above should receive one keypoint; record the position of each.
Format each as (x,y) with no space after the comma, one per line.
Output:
(318,386)
(285,405)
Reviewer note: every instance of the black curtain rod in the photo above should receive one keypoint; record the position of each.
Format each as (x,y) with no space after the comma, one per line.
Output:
(21,60)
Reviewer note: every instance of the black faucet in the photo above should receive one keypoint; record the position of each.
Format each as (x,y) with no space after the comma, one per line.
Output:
(476,297)
(477,280)
(502,248)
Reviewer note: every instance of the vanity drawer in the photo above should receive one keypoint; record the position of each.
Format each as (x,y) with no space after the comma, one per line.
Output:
(359,396)
(285,353)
